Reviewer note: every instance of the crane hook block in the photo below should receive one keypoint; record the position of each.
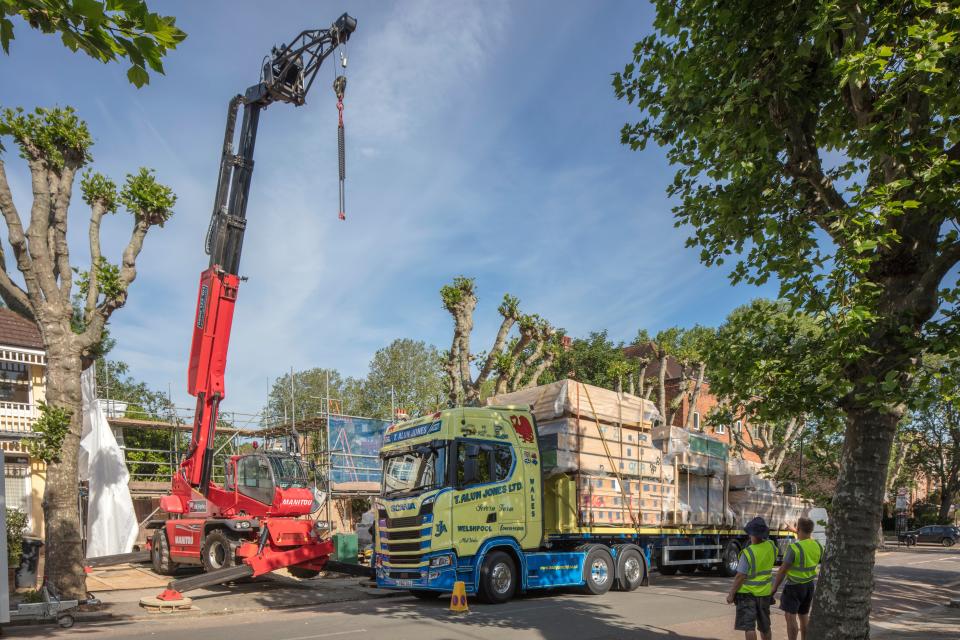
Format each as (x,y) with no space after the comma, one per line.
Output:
(340,86)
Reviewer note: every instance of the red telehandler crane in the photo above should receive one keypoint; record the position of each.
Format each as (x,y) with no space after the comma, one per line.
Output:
(254,523)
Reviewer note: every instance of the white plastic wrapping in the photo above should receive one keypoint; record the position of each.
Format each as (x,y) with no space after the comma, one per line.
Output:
(111,519)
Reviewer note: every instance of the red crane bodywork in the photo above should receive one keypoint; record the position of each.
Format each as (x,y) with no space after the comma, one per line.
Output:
(257,517)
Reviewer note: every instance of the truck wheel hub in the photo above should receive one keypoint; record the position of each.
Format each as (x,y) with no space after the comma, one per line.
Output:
(501,578)
(598,572)
(631,569)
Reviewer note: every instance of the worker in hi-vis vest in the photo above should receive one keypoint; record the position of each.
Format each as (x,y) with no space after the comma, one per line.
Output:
(753,584)
(799,567)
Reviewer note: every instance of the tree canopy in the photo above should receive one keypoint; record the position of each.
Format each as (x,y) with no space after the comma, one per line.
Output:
(816,144)
(104,30)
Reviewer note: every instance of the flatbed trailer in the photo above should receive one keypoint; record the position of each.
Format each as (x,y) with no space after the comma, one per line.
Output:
(464,501)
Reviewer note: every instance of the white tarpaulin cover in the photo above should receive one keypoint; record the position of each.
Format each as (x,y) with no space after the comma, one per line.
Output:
(111,520)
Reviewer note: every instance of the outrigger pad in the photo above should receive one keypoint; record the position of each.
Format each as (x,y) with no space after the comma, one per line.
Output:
(156,605)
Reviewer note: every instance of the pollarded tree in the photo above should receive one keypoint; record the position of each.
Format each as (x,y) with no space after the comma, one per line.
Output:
(56,146)
(514,362)
(817,142)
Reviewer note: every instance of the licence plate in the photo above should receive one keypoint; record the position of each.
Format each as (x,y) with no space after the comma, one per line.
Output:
(404,583)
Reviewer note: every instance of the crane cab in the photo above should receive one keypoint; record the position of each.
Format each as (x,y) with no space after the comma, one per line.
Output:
(268,483)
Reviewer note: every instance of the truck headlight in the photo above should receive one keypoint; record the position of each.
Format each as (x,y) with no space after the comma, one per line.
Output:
(441,561)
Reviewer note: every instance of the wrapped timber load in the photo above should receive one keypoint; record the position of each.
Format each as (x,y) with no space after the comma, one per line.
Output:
(566,398)
(777,509)
(569,445)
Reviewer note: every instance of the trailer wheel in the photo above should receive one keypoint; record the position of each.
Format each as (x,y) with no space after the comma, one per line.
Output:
(160,554)
(217,551)
(498,578)
(598,570)
(631,569)
(730,559)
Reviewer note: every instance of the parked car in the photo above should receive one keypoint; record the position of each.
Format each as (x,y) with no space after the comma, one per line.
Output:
(943,534)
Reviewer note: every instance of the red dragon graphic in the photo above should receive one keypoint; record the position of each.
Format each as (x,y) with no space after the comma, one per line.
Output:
(523,427)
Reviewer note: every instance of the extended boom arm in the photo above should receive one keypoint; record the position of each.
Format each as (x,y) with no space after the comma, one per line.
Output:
(287,75)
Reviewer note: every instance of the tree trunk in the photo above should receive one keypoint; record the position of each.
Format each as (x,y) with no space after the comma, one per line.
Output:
(846,580)
(946,499)
(63,552)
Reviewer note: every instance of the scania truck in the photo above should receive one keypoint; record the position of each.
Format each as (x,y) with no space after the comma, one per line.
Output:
(464,499)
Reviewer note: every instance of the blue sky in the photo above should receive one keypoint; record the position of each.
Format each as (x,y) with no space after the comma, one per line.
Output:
(482,139)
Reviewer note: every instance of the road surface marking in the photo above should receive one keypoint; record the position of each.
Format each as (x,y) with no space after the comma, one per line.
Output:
(328,635)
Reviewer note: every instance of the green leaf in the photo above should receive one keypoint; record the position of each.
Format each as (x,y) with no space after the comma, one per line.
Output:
(137,76)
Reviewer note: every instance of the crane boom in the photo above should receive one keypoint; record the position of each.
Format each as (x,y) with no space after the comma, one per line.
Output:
(286,76)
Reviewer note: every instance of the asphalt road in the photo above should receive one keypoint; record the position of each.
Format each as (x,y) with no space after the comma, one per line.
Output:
(909,585)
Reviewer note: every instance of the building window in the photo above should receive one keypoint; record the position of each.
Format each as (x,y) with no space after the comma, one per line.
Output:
(696,422)
(739,426)
(721,428)
(14,382)
(17,488)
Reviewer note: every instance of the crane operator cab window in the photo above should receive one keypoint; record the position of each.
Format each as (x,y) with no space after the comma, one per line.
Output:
(254,478)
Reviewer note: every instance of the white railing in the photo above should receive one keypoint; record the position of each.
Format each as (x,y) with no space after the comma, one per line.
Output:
(17,417)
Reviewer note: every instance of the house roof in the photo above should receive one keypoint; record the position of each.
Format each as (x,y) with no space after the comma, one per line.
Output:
(646,352)
(17,331)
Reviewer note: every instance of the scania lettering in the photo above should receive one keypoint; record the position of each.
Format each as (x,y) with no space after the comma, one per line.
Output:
(464,499)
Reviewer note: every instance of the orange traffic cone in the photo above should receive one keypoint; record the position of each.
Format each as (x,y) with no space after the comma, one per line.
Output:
(458,601)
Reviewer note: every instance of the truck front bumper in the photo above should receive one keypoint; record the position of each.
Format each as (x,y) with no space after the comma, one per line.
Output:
(427,578)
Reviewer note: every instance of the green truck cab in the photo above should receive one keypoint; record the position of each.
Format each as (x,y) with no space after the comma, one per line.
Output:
(462,500)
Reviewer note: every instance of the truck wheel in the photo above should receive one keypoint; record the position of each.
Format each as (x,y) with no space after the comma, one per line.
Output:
(729,559)
(498,578)
(160,554)
(303,573)
(598,571)
(631,569)
(217,552)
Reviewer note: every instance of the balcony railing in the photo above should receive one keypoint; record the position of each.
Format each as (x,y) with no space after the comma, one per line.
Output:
(17,417)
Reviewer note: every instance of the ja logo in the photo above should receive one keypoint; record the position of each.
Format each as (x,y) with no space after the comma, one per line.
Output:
(441,529)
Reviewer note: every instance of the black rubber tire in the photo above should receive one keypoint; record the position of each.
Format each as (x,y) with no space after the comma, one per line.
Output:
(668,570)
(65,621)
(303,573)
(688,568)
(730,558)
(707,568)
(492,571)
(631,569)
(218,551)
(160,554)
(599,571)
(424,595)
(911,541)
(947,542)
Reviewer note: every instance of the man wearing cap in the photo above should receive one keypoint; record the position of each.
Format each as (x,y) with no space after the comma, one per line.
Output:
(752,587)
(799,567)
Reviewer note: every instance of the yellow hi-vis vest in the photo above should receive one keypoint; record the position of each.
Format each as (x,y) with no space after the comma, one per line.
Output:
(760,560)
(806,558)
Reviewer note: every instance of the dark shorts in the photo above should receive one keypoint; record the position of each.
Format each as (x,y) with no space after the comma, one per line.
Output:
(753,613)
(797,598)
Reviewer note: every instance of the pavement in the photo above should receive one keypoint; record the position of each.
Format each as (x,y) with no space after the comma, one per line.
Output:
(913,589)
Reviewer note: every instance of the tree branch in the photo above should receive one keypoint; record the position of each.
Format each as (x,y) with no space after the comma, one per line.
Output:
(38,242)
(59,246)
(97,210)
(128,273)
(15,235)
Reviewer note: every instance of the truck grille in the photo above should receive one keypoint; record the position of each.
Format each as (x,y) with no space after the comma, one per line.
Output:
(412,559)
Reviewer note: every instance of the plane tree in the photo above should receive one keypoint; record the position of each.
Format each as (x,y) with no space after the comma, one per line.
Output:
(817,145)
(71,307)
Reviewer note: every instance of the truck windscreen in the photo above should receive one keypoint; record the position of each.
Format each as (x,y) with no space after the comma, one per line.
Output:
(414,471)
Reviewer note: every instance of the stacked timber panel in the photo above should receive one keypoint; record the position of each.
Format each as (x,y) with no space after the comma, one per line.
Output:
(608,463)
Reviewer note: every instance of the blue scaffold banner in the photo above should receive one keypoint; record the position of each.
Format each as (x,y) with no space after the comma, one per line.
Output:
(354,453)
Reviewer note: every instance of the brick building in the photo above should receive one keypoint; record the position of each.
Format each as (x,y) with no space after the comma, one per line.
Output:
(706,402)
(22,386)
